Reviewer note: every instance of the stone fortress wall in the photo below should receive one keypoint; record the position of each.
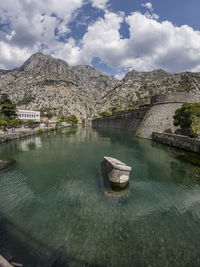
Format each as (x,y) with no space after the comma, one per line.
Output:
(129,121)
(179,141)
(157,117)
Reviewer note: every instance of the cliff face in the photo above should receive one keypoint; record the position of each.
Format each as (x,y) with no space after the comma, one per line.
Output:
(45,82)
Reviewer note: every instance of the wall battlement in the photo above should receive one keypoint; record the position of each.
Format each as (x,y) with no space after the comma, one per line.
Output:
(181,97)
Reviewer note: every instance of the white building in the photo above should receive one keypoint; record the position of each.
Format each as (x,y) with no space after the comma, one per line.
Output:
(28,115)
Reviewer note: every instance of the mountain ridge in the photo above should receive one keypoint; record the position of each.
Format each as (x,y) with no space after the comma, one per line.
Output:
(44,82)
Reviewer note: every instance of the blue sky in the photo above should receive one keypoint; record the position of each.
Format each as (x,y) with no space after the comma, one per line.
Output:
(114,36)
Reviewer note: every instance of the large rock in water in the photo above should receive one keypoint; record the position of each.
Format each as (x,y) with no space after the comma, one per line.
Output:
(5,163)
(117,171)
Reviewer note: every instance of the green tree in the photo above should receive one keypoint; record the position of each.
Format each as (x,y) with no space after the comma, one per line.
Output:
(3,122)
(188,117)
(72,119)
(59,121)
(15,122)
(31,123)
(7,108)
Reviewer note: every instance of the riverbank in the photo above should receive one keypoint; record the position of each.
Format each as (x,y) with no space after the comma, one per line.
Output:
(19,133)
(178,141)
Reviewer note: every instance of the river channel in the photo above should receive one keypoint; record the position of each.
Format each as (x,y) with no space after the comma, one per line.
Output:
(58,209)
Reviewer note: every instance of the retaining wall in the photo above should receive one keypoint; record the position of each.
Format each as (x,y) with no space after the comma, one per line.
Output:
(129,121)
(158,117)
(179,141)
(20,134)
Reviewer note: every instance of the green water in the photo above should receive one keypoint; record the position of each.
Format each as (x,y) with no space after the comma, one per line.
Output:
(57,209)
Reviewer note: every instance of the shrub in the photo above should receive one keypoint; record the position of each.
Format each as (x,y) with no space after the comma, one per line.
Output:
(104,113)
(188,117)
(116,110)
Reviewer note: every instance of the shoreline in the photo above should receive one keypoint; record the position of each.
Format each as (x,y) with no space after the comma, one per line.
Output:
(5,137)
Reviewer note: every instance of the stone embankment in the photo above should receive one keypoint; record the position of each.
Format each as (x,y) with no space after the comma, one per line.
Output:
(4,263)
(4,137)
(129,121)
(179,141)
(157,117)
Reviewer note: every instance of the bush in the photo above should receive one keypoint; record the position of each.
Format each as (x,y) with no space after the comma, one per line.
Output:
(116,110)
(104,113)
(132,108)
(188,117)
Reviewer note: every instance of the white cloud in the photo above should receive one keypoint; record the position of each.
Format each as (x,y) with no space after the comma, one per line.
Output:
(150,14)
(9,53)
(152,44)
(101,4)
(120,75)
(148,5)
(33,23)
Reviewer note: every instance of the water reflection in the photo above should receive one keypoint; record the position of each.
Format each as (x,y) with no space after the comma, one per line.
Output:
(58,201)
(30,143)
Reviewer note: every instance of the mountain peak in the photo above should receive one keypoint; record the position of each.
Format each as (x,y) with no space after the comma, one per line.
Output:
(39,62)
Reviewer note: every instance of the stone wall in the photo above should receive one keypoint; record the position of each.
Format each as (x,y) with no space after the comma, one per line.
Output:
(129,121)
(19,134)
(158,117)
(178,141)
(180,97)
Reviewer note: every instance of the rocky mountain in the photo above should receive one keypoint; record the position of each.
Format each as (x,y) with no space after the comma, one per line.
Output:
(44,82)
(44,63)
(136,88)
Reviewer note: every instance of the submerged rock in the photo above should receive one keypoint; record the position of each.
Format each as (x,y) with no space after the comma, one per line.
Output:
(118,172)
(5,163)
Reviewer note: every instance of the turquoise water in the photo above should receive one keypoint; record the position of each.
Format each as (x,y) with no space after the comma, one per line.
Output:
(57,208)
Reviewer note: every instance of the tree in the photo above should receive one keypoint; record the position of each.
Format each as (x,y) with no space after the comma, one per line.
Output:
(72,118)
(31,123)
(3,122)
(15,122)
(59,121)
(188,117)
(7,108)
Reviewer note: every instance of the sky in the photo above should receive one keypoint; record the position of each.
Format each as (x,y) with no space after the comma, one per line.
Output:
(114,36)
